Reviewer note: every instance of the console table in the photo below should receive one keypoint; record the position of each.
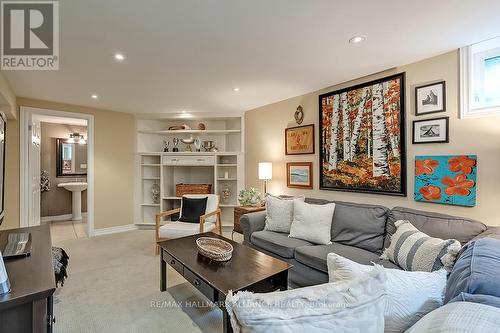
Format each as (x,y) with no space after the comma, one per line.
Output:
(29,305)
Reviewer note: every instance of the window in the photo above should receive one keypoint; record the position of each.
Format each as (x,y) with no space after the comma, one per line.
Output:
(480,79)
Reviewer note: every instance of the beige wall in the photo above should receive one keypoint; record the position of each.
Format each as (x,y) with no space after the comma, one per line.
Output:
(57,201)
(114,164)
(265,142)
(7,98)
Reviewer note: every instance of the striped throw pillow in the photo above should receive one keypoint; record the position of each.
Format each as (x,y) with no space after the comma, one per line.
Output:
(412,250)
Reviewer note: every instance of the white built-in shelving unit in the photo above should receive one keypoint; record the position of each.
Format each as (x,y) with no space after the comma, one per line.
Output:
(223,168)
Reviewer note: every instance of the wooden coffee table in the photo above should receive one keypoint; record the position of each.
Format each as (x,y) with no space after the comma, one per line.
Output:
(248,269)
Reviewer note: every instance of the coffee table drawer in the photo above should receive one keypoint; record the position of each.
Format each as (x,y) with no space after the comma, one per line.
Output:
(199,284)
(173,263)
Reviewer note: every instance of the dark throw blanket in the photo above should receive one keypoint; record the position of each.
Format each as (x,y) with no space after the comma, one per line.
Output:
(60,262)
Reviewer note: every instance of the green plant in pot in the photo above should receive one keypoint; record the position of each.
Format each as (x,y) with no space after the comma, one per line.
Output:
(250,197)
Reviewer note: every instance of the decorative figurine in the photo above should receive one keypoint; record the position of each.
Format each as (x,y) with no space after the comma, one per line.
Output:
(175,142)
(165,146)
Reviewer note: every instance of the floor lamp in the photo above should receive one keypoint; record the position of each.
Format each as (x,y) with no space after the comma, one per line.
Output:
(265,173)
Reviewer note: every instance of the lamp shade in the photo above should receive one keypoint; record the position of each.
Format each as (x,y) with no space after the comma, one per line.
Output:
(265,171)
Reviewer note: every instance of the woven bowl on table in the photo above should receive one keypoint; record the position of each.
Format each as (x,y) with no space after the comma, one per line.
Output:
(214,248)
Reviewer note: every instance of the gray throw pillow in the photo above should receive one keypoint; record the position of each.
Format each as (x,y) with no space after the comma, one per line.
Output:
(279,213)
(412,250)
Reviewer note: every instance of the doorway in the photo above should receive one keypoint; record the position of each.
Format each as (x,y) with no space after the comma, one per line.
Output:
(57,172)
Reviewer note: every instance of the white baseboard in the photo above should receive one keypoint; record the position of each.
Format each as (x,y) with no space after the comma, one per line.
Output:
(114,230)
(145,226)
(65,217)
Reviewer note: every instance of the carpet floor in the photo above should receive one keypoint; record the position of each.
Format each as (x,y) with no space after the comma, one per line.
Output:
(113,286)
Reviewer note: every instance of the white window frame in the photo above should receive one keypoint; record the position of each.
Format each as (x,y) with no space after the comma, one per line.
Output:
(487,49)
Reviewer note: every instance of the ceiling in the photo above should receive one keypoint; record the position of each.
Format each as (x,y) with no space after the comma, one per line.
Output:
(188,55)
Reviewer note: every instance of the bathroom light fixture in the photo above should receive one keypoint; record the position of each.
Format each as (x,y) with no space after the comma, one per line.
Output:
(76,138)
(236,89)
(357,39)
(119,56)
(94,96)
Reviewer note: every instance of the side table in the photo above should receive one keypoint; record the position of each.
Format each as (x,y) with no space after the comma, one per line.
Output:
(242,210)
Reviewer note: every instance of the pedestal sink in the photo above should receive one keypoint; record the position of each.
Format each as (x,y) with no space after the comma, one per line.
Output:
(76,188)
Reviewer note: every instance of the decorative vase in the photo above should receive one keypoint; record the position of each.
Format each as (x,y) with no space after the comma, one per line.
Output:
(197,144)
(226,194)
(155,192)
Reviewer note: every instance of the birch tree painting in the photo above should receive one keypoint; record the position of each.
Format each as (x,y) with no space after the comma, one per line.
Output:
(363,138)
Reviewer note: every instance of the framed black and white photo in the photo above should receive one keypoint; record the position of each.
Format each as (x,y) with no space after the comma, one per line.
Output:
(430,98)
(431,130)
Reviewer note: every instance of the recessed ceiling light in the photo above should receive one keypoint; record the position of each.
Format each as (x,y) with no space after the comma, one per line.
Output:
(94,96)
(236,89)
(119,57)
(357,39)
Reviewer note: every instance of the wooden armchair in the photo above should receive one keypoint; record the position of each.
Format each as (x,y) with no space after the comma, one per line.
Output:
(176,229)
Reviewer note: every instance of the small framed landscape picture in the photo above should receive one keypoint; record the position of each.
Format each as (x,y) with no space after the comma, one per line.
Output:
(299,140)
(299,175)
(431,130)
(430,98)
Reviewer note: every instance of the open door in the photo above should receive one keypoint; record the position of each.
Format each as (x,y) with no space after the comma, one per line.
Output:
(34,137)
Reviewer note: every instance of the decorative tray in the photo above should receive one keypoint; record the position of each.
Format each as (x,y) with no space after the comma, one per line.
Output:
(214,248)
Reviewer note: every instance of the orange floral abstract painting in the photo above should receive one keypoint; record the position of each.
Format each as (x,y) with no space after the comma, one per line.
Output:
(446,179)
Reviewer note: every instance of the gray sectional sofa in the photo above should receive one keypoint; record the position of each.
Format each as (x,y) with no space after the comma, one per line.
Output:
(359,232)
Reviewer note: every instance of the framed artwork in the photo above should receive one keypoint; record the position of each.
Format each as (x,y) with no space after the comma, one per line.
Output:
(299,175)
(299,140)
(430,98)
(431,130)
(362,138)
(447,180)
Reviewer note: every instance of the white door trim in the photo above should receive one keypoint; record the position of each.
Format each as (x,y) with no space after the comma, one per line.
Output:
(25,113)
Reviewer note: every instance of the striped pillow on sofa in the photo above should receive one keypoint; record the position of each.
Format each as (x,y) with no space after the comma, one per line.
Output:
(412,250)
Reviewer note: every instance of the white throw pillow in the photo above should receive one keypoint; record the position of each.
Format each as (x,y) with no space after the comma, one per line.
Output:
(357,306)
(279,213)
(413,250)
(460,317)
(410,295)
(312,223)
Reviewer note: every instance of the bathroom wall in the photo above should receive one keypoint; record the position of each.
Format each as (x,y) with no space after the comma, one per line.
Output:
(57,201)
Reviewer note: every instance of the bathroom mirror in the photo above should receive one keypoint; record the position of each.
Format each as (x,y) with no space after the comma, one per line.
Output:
(71,158)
